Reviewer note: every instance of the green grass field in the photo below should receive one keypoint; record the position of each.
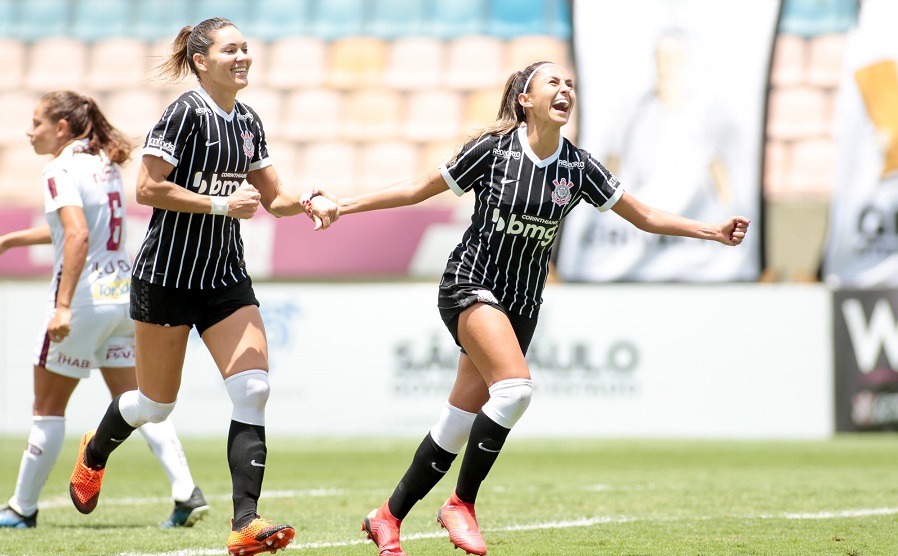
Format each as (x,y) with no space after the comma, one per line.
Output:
(558,497)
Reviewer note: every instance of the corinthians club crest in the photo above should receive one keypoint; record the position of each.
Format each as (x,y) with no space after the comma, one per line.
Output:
(248,148)
(562,192)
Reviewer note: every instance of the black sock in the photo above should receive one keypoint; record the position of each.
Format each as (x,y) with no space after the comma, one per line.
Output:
(112,426)
(484,444)
(428,466)
(246,458)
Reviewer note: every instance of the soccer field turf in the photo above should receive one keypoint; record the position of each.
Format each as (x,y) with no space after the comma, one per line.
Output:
(544,497)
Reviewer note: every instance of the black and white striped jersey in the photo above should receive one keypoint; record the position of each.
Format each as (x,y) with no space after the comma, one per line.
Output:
(212,152)
(520,202)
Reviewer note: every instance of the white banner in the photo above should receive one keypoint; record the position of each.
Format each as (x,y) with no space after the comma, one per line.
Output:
(862,249)
(671,96)
(617,361)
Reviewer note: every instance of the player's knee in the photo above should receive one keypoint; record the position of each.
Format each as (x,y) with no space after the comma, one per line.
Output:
(249,391)
(509,399)
(138,410)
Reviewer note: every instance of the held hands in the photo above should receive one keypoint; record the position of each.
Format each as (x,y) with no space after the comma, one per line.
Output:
(733,231)
(244,202)
(321,208)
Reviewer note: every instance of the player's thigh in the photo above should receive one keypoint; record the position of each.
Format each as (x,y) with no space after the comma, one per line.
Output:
(119,379)
(487,336)
(469,392)
(238,342)
(160,352)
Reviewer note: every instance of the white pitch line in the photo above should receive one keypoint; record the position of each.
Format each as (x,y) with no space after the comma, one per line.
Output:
(566,524)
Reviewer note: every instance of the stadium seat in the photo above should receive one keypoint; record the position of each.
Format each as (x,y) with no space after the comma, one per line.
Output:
(156,20)
(825,55)
(452,19)
(474,62)
(813,167)
(798,113)
(790,58)
(386,162)
(56,63)
(14,56)
(20,176)
(397,18)
(523,51)
(115,64)
(312,115)
(134,111)
(809,18)
(560,21)
(19,107)
(414,63)
(514,18)
(272,20)
(433,116)
(356,62)
(9,19)
(372,115)
(97,20)
(436,153)
(39,19)
(481,108)
(337,19)
(295,63)
(237,11)
(269,105)
(777,155)
(330,165)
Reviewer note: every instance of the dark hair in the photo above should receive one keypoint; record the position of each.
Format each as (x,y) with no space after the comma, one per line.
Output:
(86,121)
(190,41)
(511,114)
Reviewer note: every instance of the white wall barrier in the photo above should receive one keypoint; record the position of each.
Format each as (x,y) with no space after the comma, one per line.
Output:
(612,360)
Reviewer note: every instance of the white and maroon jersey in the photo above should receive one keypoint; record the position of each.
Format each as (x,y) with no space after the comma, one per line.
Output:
(212,152)
(520,202)
(92,182)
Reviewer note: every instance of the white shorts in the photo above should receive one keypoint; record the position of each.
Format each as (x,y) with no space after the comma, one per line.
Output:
(101,336)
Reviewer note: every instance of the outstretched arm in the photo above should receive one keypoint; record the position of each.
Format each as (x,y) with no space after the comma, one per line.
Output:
(25,238)
(655,221)
(401,194)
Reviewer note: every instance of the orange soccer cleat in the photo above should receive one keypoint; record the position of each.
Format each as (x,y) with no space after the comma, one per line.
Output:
(383,529)
(84,486)
(259,536)
(458,518)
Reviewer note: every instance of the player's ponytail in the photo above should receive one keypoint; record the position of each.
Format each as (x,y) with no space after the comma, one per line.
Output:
(511,114)
(190,41)
(86,121)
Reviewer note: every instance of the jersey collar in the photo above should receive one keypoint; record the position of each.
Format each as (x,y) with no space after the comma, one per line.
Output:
(216,108)
(522,137)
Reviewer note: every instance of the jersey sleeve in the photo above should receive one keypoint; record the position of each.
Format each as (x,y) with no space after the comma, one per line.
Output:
(60,190)
(601,188)
(170,135)
(470,165)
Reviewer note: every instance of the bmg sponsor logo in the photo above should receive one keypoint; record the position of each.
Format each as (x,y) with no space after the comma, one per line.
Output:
(526,226)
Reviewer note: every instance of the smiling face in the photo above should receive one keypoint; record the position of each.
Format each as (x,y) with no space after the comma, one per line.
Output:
(226,64)
(47,136)
(551,95)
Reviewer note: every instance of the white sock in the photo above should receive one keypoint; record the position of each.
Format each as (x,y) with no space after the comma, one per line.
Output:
(452,430)
(166,446)
(44,445)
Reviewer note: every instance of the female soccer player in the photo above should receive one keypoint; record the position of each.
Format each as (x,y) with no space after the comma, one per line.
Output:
(526,178)
(87,324)
(205,166)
